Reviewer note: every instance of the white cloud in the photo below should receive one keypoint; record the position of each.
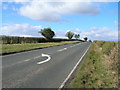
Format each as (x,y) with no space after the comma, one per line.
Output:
(116,23)
(20,30)
(14,8)
(53,11)
(103,33)
(119,35)
(60,33)
(94,33)
(26,36)
(77,30)
(26,30)
(19,1)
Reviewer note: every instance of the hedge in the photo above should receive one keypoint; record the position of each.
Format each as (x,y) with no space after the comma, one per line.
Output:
(22,40)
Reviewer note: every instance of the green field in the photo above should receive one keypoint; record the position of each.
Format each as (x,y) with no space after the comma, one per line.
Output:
(10,48)
(99,68)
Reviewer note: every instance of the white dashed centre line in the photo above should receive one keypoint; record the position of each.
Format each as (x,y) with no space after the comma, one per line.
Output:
(62,49)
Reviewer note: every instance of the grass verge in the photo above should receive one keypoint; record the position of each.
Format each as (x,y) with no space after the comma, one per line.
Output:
(13,48)
(99,68)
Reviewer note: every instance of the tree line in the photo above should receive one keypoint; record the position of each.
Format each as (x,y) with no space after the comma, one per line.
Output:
(48,33)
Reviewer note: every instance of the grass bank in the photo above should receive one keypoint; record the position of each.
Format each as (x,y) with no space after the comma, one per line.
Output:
(13,48)
(99,68)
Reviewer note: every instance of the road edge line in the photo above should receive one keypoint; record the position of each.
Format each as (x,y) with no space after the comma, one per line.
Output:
(63,83)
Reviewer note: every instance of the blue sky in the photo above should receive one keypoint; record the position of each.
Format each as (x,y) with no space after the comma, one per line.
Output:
(96,20)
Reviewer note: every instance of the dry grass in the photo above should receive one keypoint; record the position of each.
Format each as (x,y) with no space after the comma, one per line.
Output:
(99,68)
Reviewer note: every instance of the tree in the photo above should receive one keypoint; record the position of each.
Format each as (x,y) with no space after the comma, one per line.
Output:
(90,40)
(85,38)
(77,36)
(69,34)
(47,33)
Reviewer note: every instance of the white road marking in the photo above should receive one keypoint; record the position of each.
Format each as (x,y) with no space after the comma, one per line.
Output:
(31,58)
(14,64)
(75,45)
(45,55)
(72,46)
(62,49)
(27,60)
(36,57)
(62,85)
(19,53)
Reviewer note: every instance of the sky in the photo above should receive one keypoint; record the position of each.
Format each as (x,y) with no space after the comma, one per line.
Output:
(95,20)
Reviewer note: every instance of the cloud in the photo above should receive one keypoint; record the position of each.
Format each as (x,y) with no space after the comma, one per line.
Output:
(60,34)
(14,8)
(26,36)
(93,33)
(20,30)
(116,23)
(53,11)
(103,33)
(21,1)
(17,1)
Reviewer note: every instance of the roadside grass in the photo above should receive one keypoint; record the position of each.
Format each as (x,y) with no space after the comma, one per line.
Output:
(99,68)
(12,48)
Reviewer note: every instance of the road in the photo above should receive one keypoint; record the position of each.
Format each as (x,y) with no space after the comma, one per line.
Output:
(25,70)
